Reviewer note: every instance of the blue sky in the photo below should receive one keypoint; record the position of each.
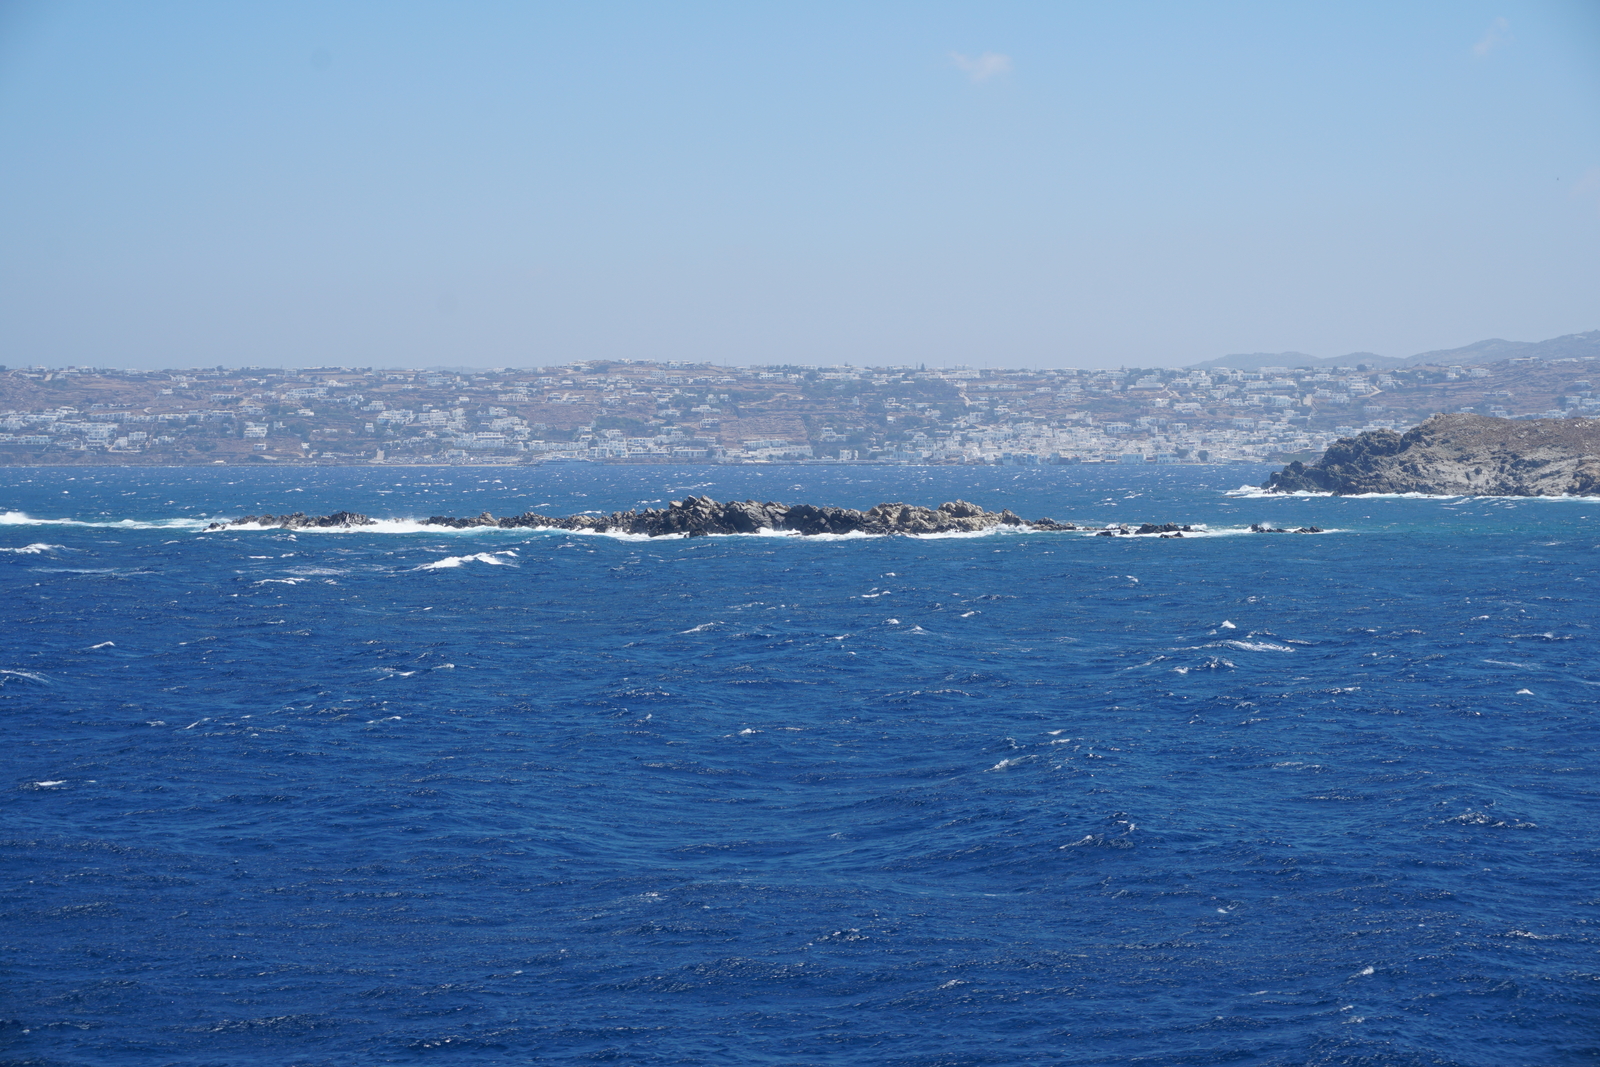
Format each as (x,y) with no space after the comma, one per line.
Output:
(1026,184)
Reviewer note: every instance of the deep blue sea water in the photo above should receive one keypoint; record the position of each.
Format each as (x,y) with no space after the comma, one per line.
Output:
(509,797)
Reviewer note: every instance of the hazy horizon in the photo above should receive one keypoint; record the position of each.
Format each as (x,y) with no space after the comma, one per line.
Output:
(1028,185)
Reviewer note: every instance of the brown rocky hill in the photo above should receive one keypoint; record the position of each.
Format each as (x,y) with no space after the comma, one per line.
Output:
(1458,455)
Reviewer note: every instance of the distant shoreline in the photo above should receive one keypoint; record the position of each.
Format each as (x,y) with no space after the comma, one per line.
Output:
(609,412)
(103,461)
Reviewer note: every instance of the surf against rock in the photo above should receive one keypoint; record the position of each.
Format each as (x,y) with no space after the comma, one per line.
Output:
(700,516)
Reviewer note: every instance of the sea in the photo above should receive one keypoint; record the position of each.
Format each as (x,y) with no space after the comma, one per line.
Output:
(401,794)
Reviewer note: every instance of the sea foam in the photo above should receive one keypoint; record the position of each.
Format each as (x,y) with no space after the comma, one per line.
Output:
(451,562)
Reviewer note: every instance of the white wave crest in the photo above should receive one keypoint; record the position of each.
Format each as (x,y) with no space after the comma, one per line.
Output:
(450,562)
(381,526)
(34,549)
(1248,646)
(22,518)
(1255,492)
(414,526)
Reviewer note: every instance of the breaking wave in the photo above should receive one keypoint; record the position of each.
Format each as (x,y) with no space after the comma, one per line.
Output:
(22,518)
(34,549)
(413,526)
(451,562)
(1256,492)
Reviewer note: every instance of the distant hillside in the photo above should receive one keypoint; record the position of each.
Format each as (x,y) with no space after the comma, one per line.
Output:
(1572,346)
(1256,360)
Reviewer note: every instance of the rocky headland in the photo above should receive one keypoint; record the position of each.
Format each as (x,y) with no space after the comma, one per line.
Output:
(699,516)
(1458,455)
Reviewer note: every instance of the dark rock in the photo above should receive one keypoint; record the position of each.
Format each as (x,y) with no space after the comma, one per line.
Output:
(699,516)
(299,520)
(485,519)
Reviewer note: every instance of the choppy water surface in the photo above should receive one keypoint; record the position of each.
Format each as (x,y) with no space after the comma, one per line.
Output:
(505,797)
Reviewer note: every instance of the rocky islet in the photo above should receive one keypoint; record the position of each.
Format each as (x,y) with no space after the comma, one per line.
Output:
(702,516)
